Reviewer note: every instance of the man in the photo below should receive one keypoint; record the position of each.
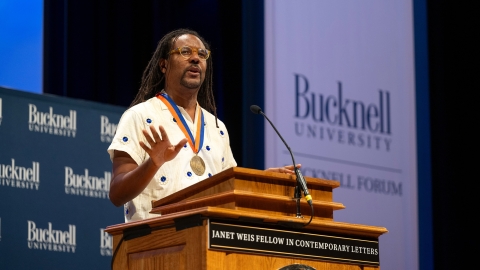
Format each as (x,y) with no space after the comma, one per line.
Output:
(168,140)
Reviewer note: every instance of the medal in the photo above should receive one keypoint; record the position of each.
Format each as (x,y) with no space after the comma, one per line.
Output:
(196,163)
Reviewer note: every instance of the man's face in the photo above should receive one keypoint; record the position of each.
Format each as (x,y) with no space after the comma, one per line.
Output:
(188,72)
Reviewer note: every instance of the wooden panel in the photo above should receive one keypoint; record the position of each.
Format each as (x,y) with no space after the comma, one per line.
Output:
(161,248)
(324,226)
(196,247)
(120,260)
(251,180)
(158,239)
(141,253)
(164,249)
(261,185)
(253,201)
(237,193)
(237,261)
(282,187)
(227,185)
(162,258)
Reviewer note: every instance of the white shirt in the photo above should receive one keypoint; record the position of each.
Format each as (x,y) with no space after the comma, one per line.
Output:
(177,173)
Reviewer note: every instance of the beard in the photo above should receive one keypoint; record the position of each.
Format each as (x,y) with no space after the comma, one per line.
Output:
(191,83)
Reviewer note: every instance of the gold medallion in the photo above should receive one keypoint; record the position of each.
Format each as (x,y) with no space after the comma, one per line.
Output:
(198,165)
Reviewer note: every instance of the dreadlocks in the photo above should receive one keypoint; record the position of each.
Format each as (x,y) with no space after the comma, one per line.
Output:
(153,80)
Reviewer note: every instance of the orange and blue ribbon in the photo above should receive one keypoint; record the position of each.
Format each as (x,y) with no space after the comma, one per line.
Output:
(197,142)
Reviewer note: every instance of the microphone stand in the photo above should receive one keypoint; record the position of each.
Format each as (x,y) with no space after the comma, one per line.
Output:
(297,197)
(301,183)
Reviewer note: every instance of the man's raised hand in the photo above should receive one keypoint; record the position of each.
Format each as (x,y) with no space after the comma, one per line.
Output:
(160,150)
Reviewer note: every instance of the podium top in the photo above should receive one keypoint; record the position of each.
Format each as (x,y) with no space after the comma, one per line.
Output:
(249,175)
(241,193)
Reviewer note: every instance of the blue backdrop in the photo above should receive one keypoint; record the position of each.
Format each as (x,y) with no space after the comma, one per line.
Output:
(54,182)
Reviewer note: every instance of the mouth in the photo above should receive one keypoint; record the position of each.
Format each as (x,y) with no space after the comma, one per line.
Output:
(194,70)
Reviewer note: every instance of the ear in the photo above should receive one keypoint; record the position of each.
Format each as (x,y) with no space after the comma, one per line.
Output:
(163,65)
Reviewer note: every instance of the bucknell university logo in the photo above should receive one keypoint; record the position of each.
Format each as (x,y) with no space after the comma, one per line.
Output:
(51,123)
(52,240)
(107,129)
(16,176)
(106,243)
(87,185)
(339,119)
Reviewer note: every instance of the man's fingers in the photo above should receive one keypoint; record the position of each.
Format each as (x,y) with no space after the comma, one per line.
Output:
(180,144)
(148,137)
(163,133)
(145,147)
(155,134)
(290,167)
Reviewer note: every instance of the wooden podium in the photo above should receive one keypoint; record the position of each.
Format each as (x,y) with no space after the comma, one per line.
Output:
(246,219)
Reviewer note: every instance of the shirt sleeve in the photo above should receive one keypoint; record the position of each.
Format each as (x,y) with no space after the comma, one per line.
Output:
(128,135)
(229,160)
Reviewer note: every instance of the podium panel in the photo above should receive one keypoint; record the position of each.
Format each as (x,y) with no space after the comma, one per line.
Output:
(210,226)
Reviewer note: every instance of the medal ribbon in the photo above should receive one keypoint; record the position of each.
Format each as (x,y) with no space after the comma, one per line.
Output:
(197,142)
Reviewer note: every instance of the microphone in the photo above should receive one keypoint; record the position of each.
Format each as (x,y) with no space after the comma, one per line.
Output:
(300,179)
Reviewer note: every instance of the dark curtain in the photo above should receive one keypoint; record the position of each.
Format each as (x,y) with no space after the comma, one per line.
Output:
(451,36)
(97,50)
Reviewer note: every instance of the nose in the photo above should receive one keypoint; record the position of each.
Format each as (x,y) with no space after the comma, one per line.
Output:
(194,58)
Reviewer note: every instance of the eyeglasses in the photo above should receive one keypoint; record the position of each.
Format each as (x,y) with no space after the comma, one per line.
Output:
(187,52)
